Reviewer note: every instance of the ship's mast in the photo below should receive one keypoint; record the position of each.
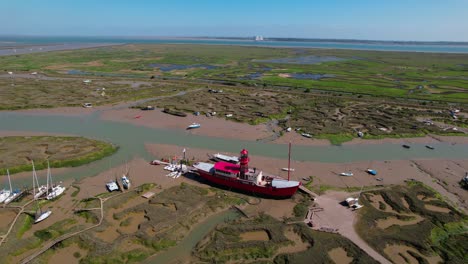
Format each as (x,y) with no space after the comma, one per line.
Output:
(289,160)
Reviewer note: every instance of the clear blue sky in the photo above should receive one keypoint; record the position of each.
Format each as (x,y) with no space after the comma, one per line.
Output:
(347,19)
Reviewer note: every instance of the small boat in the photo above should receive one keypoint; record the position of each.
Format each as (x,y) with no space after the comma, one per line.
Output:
(12,195)
(348,174)
(4,194)
(41,189)
(287,169)
(42,216)
(360,134)
(155,162)
(406,146)
(307,135)
(125,180)
(371,172)
(146,108)
(194,125)
(56,190)
(170,167)
(429,147)
(112,186)
(222,157)
(172,174)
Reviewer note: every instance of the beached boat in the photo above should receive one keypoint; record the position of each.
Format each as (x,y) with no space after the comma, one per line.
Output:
(222,157)
(348,174)
(155,162)
(42,216)
(287,169)
(307,135)
(371,172)
(241,177)
(112,186)
(4,194)
(429,147)
(41,189)
(193,126)
(54,191)
(13,194)
(125,180)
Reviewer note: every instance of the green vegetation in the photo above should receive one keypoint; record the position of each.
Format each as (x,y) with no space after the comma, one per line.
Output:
(168,216)
(60,151)
(224,244)
(27,224)
(322,243)
(428,237)
(76,191)
(365,91)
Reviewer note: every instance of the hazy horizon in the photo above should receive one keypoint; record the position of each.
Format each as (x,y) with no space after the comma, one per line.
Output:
(428,21)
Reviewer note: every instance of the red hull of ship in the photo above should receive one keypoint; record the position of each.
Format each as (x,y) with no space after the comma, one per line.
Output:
(236,184)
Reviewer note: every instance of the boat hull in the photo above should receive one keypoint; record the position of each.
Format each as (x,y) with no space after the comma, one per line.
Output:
(43,216)
(234,183)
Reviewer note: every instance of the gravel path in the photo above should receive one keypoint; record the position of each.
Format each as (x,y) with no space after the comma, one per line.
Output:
(334,215)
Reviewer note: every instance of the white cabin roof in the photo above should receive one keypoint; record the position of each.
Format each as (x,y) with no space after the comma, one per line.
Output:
(284,183)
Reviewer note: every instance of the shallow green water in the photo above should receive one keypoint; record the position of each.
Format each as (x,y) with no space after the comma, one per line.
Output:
(131,140)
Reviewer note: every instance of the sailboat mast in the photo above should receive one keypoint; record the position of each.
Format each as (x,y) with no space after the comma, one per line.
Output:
(289,160)
(48,176)
(34,183)
(9,181)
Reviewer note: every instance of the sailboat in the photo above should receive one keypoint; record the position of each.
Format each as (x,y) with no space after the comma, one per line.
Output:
(125,181)
(52,191)
(13,194)
(41,215)
(4,194)
(41,190)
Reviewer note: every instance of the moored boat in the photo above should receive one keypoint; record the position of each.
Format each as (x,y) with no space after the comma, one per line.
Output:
(125,180)
(406,146)
(112,186)
(222,157)
(42,216)
(55,190)
(429,147)
(193,126)
(4,194)
(241,177)
(41,189)
(12,195)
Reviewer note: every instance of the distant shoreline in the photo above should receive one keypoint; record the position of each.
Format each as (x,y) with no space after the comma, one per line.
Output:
(8,43)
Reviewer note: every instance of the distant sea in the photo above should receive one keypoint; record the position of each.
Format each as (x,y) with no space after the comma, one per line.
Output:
(10,42)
